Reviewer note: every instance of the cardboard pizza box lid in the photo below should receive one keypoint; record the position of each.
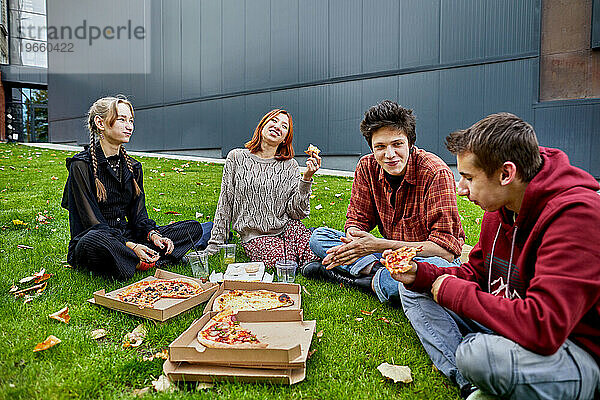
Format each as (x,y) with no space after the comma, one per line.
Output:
(288,337)
(291,289)
(214,373)
(164,308)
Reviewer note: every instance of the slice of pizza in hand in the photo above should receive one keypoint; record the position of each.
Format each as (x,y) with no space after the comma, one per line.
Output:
(223,331)
(312,150)
(398,261)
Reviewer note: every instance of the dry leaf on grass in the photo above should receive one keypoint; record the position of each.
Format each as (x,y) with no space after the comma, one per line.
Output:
(140,392)
(172,212)
(358,319)
(366,312)
(162,354)
(204,385)
(24,246)
(98,333)
(135,337)
(18,222)
(305,291)
(163,384)
(311,352)
(61,315)
(384,319)
(320,334)
(39,288)
(36,275)
(46,344)
(318,207)
(43,278)
(398,373)
(13,288)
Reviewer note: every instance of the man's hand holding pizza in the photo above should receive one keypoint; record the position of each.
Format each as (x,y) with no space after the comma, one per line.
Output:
(407,277)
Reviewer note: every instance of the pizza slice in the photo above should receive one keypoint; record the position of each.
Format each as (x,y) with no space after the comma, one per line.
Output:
(312,150)
(223,331)
(398,261)
(252,300)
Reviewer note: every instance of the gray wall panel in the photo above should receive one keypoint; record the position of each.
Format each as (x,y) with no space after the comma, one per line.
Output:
(288,100)
(234,39)
(313,115)
(210,128)
(258,44)
(419,40)
(234,124)
(421,93)
(509,86)
(380,35)
(284,42)
(150,130)
(461,102)
(510,27)
(345,114)
(345,32)
(313,46)
(190,48)
(570,128)
(462,30)
(211,47)
(154,80)
(67,131)
(257,105)
(172,59)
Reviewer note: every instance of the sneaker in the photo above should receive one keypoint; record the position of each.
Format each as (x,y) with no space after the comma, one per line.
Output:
(312,269)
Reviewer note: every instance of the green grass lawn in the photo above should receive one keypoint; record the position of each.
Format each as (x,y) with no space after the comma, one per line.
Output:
(346,356)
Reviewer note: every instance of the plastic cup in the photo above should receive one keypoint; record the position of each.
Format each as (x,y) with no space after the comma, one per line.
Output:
(227,253)
(286,271)
(199,263)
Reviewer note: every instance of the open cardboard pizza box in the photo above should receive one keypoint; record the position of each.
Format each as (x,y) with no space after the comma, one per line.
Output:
(291,289)
(287,336)
(164,308)
(186,372)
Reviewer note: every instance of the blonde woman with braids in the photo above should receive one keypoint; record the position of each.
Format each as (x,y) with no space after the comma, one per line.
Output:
(111,233)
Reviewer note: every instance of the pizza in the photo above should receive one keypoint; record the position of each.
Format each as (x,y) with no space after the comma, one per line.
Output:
(223,331)
(251,300)
(312,150)
(145,293)
(398,261)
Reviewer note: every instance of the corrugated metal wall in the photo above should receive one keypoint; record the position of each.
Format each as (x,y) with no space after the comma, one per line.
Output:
(218,65)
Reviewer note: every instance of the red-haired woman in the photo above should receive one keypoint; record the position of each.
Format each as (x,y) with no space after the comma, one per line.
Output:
(263,196)
(111,233)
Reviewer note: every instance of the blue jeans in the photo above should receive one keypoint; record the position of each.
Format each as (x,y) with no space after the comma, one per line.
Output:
(494,363)
(385,287)
(203,242)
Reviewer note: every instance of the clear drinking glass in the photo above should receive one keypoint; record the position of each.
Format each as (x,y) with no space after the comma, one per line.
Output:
(286,270)
(199,264)
(227,253)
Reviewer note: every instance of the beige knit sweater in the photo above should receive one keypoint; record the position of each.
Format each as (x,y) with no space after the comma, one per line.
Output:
(258,197)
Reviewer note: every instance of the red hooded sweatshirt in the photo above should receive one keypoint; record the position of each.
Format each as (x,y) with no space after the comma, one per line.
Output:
(543,285)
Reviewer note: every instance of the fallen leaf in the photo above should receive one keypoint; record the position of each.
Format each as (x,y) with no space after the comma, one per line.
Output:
(162,354)
(61,315)
(27,299)
(54,178)
(67,266)
(384,319)
(135,337)
(37,275)
(42,288)
(398,373)
(311,352)
(318,207)
(163,384)
(98,333)
(358,319)
(46,344)
(22,246)
(332,203)
(19,293)
(140,392)
(366,312)
(305,291)
(13,288)
(172,212)
(199,215)
(320,334)
(156,209)
(312,196)
(161,194)
(43,278)
(18,222)
(338,194)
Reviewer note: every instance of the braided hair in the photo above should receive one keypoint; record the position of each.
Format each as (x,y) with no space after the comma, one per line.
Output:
(106,109)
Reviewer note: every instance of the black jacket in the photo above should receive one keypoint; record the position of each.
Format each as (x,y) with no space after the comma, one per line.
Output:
(122,213)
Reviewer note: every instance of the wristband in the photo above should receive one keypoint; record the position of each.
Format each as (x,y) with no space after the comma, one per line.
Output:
(153,231)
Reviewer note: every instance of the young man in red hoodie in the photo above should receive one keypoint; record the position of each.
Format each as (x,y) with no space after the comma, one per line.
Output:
(521,318)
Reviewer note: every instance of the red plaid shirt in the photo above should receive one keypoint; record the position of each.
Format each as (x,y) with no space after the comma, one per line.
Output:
(425,206)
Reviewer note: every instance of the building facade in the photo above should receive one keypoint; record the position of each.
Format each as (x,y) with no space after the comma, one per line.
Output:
(207,70)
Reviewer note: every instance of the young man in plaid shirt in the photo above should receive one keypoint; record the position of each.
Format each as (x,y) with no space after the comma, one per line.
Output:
(408,193)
